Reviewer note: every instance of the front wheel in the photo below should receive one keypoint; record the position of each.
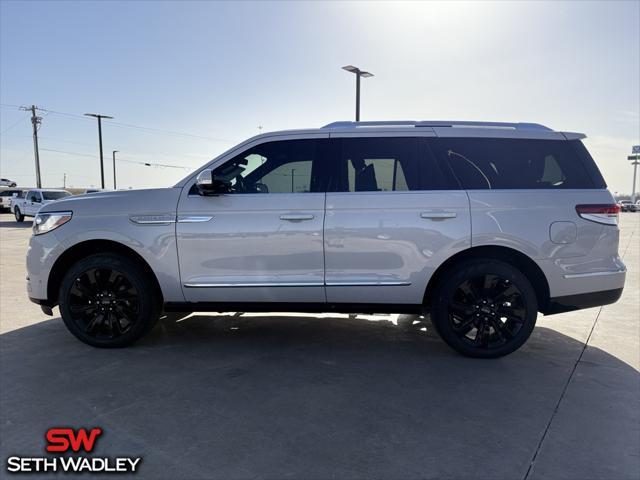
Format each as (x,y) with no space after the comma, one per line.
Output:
(108,301)
(485,308)
(18,214)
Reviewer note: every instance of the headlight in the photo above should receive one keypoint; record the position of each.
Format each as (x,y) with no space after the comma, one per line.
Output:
(45,222)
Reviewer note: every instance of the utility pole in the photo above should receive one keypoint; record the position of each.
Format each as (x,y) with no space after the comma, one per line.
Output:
(114,168)
(64,181)
(100,117)
(35,121)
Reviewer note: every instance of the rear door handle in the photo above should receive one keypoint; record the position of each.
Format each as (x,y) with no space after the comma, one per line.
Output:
(438,215)
(296,218)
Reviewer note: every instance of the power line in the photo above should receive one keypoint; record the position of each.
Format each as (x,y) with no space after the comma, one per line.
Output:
(14,124)
(147,164)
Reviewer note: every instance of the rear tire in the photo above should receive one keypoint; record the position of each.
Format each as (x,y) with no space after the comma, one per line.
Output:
(18,214)
(106,300)
(484,308)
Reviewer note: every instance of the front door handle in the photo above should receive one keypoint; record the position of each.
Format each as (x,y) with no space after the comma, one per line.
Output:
(438,215)
(296,218)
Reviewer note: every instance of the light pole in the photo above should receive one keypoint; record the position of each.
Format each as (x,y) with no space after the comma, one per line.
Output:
(100,117)
(359,73)
(635,160)
(114,168)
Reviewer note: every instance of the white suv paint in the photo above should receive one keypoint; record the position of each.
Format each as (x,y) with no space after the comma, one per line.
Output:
(480,225)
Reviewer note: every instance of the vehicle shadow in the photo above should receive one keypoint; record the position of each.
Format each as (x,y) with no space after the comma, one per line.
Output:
(227,396)
(13,224)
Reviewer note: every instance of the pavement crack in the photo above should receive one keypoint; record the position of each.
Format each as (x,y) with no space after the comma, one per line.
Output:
(568,382)
(564,391)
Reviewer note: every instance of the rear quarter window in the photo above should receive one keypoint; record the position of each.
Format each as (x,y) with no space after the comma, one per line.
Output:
(496,163)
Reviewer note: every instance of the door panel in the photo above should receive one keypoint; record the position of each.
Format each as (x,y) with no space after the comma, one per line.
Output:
(379,248)
(262,241)
(392,221)
(253,248)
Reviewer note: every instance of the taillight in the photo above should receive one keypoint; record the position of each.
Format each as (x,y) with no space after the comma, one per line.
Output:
(605,214)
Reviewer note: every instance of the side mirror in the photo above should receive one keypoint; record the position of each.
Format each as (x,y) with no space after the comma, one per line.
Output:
(209,184)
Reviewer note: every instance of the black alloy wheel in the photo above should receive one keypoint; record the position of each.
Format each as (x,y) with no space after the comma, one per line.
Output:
(107,300)
(104,303)
(487,311)
(485,308)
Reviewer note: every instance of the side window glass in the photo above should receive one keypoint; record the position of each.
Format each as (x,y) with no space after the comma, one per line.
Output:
(378,164)
(286,166)
(490,163)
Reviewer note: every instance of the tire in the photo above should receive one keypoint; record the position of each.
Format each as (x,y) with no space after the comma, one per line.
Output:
(106,300)
(484,308)
(18,214)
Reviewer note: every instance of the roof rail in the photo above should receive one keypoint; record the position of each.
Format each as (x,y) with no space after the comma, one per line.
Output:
(439,123)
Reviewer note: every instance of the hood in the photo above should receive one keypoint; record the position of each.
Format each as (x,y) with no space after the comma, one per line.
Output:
(148,201)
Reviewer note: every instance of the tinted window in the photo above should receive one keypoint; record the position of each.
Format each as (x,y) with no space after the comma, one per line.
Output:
(490,163)
(289,166)
(55,195)
(387,164)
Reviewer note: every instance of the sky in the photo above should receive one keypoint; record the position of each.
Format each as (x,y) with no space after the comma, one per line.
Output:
(185,81)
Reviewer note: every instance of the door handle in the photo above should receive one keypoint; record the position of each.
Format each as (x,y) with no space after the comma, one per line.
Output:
(296,218)
(438,215)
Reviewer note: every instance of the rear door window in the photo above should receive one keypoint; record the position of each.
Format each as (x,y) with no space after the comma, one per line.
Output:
(492,163)
(385,164)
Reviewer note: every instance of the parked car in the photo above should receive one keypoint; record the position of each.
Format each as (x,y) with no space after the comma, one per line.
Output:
(34,200)
(5,182)
(627,206)
(479,225)
(5,198)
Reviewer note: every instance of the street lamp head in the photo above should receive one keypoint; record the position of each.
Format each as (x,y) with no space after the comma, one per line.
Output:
(96,115)
(357,71)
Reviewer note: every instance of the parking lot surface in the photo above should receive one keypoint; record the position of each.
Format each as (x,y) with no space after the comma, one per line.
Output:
(301,396)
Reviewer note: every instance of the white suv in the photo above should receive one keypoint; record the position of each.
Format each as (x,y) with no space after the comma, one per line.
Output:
(479,225)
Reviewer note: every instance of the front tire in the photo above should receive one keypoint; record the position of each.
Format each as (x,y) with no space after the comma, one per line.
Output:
(18,214)
(107,300)
(485,309)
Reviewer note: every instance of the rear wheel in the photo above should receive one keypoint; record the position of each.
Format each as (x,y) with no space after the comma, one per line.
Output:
(485,308)
(18,214)
(108,301)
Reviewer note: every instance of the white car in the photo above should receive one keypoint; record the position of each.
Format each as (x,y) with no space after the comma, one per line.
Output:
(5,182)
(34,200)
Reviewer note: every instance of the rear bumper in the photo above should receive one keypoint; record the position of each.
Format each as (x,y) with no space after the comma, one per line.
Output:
(569,303)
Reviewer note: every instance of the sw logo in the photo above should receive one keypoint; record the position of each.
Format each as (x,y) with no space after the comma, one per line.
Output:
(63,439)
(68,441)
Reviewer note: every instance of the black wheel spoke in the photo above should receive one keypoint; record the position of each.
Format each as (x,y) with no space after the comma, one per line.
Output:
(104,303)
(486,311)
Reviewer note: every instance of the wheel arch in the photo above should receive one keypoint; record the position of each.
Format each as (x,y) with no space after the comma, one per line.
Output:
(493,252)
(86,248)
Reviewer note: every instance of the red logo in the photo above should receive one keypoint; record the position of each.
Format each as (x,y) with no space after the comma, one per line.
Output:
(63,439)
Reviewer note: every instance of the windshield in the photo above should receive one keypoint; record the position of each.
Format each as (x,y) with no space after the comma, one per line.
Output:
(54,195)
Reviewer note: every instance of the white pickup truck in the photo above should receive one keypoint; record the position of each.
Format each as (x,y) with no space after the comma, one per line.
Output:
(6,196)
(34,200)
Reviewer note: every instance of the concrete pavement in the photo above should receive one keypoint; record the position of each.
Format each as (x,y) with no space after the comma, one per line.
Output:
(301,396)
